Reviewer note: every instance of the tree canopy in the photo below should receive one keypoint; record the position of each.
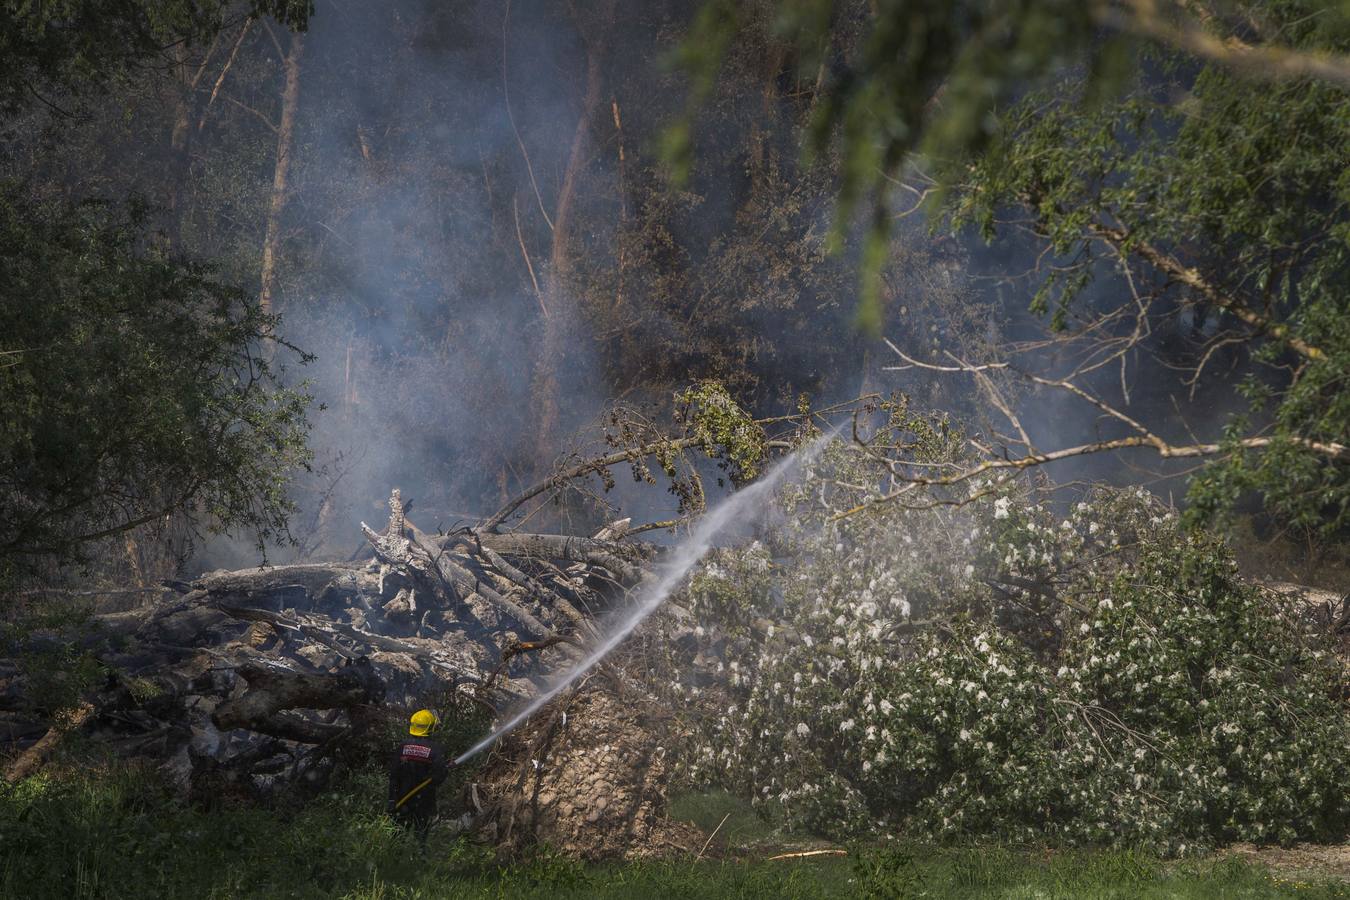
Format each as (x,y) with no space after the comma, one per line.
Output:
(1173,171)
(138,387)
(133,387)
(76,44)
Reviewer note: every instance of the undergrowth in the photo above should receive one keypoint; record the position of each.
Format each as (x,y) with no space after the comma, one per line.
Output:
(1088,676)
(115,833)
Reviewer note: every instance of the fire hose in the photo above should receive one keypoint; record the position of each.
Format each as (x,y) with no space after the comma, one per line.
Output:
(408,796)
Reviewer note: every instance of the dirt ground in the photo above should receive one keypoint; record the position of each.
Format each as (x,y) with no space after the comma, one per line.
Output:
(1324,861)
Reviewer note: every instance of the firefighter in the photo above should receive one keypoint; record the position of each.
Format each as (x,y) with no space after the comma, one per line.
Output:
(416,767)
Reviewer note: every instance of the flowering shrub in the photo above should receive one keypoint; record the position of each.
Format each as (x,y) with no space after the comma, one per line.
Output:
(996,669)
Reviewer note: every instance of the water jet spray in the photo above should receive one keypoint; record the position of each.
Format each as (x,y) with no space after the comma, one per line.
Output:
(683,558)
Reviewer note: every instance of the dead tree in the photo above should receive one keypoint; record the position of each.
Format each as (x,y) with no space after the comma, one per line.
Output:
(255,672)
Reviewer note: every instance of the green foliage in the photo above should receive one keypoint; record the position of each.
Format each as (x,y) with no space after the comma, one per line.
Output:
(1050,118)
(131,381)
(710,425)
(996,671)
(888,874)
(122,835)
(46,643)
(723,429)
(136,386)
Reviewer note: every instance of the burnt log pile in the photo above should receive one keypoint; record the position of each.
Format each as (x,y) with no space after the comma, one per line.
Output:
(259,681)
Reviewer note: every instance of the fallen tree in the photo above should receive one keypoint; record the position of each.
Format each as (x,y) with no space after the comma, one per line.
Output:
(262,676)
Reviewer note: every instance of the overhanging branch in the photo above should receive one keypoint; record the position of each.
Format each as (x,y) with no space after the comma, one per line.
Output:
(1146,19)
(1143,438)
(1120,239)
(588,467)
(1164,449)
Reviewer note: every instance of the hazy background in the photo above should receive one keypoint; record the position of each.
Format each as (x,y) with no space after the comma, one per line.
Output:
(418,191)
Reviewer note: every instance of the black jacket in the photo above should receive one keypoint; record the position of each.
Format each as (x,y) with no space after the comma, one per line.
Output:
(411,763)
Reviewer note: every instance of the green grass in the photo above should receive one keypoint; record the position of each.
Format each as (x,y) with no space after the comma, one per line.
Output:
(736,823)
(117,835)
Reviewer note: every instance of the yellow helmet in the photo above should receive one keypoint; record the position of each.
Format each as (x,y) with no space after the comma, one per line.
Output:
(423,722)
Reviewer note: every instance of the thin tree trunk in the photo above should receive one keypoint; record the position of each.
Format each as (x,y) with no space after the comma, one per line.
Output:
(561,319)
(617,307)
(188,77)
(290,100)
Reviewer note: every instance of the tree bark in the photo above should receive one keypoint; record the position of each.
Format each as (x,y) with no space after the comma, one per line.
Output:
(32,759)
(290,101)
(273,688)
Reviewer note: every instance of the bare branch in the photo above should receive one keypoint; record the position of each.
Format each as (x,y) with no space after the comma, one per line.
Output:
(1002,405)
(586,468)
(1167,451)
(916,364)
(1095,401)
(510,116)
(1144,438)
(268,122)
(1214,346)
(657,526)
(220,79)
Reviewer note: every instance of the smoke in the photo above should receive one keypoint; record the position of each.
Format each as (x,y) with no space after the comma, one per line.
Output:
(399,271)
(420,217)
(434,141)
(432,146)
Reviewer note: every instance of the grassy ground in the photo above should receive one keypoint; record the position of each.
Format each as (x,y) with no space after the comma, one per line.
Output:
(117,835)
